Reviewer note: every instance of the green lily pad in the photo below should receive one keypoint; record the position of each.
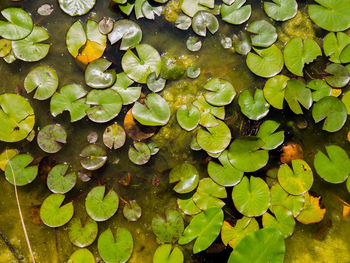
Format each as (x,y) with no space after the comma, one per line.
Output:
(204,227)
(155,112)
(274,90)
(150,11)
(51,137)
(334,44)
(93,157)
(139,67)
(59,181)
(186,176)
(10,58)
(97,76)
(266,133)
(335,167)
(127,31)
(155,84)
(140,154)
(75,38)
(122,85)
(115,248)
(114,136)
(204,20)
(236,13)
(280,197)
(251,196)
(224,174)
(188,119)
(242,43)
(106,105)
(70,98)
(339,75)
(220,92)
(153,147)
(333,111)
(165,254)
(193,72)
(101,206)
(331,15)
(312,212)
(265,34)
(348,184)
(245,154)
(6,156)
(345,54)
(183,22)
(321,89)
(53,213)
(44,79)
(282,220)
(233,235)
(346,100)
(132,211)
(216,139)
(30,49)
(82,233)
(19,170)
(255,108)
(281,10)
(297,93)
(19,24)
(168,229)
(297,54)
(193,44)
(209,194)
(82,256)
(105,26)
(266,62)
(191,7)
(5,47)
(76,7)
(298,180)
(16,118)
(187,205)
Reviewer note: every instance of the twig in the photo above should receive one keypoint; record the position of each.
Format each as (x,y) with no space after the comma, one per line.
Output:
(11,248)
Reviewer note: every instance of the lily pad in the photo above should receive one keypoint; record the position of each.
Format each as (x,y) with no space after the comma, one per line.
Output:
(132,211)
(188,119)
(16,118)
(82,233)
(335,167)
(139,67)
(245,154)
(255,108)
(5,47)
(346,100)
(187,205)
(97,76)
(168,229)
(333,111)
(51,137)
(209,194)
(282,220)
(193,72)
(236,13)
(220,92)
(150,10)
(274,90)
(297,93)
(193,44)
(281,10)
(345,53)
(82,256)
(172,67)
(127,31)
(251,196)
(115,248)
(321,89)
(76,7)
(155,84)
(114,136)
(75,38)
(122,85)
(53,213)
(183,22)
(19,171)
(242,43)
(186,176)
(266,133)
(101,206)
(19,24)
(339,75)
(30,49)
(93,157)
(266,62)
(191,7)
(70,98)
(333,45)
(312,212)
(204,227)
(264,33)
(165,254)
(6,156)
(204,20)
(59,181)
(140,154)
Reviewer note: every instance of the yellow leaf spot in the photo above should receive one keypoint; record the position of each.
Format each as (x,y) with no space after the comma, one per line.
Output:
(91,52)
(336,92)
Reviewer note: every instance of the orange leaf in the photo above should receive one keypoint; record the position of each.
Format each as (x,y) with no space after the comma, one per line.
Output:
(91,52)
(312,212)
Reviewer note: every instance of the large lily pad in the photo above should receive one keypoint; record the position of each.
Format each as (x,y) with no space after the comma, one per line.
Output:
(165,254)
(82,233)
(236,13)
(297,93)
(204,20)
(266,133)
(76,7)
(282,220)
(93,157)
(19,24)
(264,34)
(19,171)
(209,194)
(220,92)
(186,176)
(51,137)
(281,10)
(274,90)
(128,32)
(255,108)
(59,181)
(97,76)
(168,229)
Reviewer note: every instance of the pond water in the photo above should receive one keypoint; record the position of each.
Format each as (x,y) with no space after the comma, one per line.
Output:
(327,241)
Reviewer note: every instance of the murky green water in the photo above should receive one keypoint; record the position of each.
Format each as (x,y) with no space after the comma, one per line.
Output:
(307,244)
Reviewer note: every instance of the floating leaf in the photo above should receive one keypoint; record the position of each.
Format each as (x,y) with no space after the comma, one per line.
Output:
(251,196)
(193,44)
(266,133)
(69,98)
(321,89)
(151,10)
(220,92)
(76,7)
(333,111)
(139,67)
(281,10)
(115,248)
(345,54)
(127,31)
(132,211)
(101,206)
(255,108)
(44,80)
(105,26)
(93,157)
(265,33)
(193,72)
(16,118)
(75,38)
(312,212)
(82,233)
(168,229)
(82,256)
(242,43)
(209,194)
(346,100)
(19,24)
(153,147)
(97,76)
(204,227)
(191,7)
(155,84)
(5,47)
(267,62)
(274,90)
(53,213)
(183,22)
(51,137)
(186,176)
(140,153)
(187,205)
(283,220)
(114,136)
(236,13)
(19,170)
(59,181)
(165,254)
(6,156)
(204,20)
(122,85)
(333,44)
(297,93)
(188,119)
(339,75)
(244,154)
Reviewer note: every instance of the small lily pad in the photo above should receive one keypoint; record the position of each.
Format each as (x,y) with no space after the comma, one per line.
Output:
(334,44)
(193,44)
(187,205)
(105,26)
(75,38)
(97,76)
(188,119)
(122,85)
(183,22)
(193,72)
(209,194)
(76,7)
(150,11)
(82,256)
(132,211)
(255,108)
(93,157)
(264,33)
(18,170)
(220,92)
(155,84)
(168,229)
(51,137)
(281,10)
(186,176)
(59,181)
(82,233)
(242,43)
(237,13)
(6,156)
(165,254)
(114,136)
(266,133)
(282,220)
(19,24)
(312,211)
(127,31)
(204,20)
(339,75)
(274,90)
(297,93)
(321,89)
(191,7)
(140,154)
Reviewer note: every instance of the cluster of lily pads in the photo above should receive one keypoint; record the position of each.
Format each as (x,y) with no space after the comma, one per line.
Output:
(269,202)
